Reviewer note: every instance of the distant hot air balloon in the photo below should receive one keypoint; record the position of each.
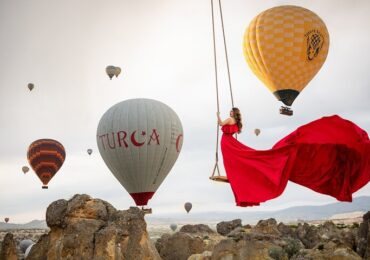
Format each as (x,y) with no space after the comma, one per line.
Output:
(89,151)
(257,131)
(30,86)
(188,206)
(110,70)
(285,47)
(6,220)
(24,244)
(173,226)
(25,169)
(117,71)
(46,156)
(140,140)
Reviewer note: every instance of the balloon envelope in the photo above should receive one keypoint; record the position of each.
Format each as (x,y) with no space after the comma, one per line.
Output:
(46,156)
(89,151)
(25,169)
(6,220)
(28,250)
(30,86)
(285,47)
(117,71)
(188,206)
(173,227)
(257,131)
(140,140)
(110,70)
(24,244)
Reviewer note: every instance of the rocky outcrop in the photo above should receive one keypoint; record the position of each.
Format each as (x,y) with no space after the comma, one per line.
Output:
(196,229)
(179,246)
(242,249)
(329,251)
(225,227)
(191,241)
(87,228)
(8,249)
(206,255)
(268,226)
(363,241)
(308,235)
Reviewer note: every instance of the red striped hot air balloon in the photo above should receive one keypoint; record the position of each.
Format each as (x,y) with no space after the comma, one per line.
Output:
(46,156)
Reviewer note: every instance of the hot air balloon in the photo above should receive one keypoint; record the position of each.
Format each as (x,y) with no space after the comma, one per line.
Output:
(117,71)
(140,140)
(110,70)
(188,206)
(257,131)
(25,169)
(28,250)
(46,156)
(30,86)
(285,47)
(24,244)
(6,220)
(173,226)
(89,151)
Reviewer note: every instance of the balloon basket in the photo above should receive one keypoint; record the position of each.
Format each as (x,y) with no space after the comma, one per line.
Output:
(146,211)
(286,111)
(45,187)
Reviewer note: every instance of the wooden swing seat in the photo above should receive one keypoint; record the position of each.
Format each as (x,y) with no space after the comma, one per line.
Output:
(219,178)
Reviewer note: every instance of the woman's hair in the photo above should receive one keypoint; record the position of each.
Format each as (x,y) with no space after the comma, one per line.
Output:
(238,118)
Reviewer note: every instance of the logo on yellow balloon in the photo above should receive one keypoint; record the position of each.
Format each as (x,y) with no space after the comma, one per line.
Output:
(315,41)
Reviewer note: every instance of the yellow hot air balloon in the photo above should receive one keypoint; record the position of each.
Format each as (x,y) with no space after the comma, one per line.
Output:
(285,47)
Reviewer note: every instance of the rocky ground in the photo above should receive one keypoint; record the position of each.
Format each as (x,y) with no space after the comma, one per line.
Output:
(91,229)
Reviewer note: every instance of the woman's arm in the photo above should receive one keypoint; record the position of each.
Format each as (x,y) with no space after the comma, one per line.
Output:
(222,123)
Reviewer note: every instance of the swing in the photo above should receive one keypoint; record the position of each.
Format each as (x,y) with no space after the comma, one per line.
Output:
(219,177)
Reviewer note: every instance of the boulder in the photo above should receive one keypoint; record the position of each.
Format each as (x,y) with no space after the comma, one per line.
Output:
(8,249)
(206,255)
(225,227)
(286,230)
(244,249)
(328,251)
(179,246)
(88,228)
(196,229)
(268,226)
(309,235)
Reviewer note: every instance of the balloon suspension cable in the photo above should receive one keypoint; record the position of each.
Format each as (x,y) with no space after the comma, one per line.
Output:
(216,168)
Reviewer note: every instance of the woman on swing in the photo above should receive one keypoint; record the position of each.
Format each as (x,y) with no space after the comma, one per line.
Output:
(330,155)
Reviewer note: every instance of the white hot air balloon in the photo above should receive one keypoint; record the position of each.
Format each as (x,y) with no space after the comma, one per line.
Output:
(140,140)
(110,70)
(24,244)
(28,250)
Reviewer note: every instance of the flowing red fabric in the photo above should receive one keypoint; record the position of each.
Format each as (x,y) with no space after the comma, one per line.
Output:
(330,155)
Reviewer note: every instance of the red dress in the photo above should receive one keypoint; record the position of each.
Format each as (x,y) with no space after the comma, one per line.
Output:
(330,155)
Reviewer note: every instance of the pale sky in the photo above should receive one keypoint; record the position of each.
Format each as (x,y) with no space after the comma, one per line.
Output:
(164,48)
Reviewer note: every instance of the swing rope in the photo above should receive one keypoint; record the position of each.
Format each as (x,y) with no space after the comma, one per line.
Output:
(216,168)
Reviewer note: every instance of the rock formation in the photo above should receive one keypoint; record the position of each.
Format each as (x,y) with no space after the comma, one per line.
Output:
(8,249)
(87,228)
(225,227)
